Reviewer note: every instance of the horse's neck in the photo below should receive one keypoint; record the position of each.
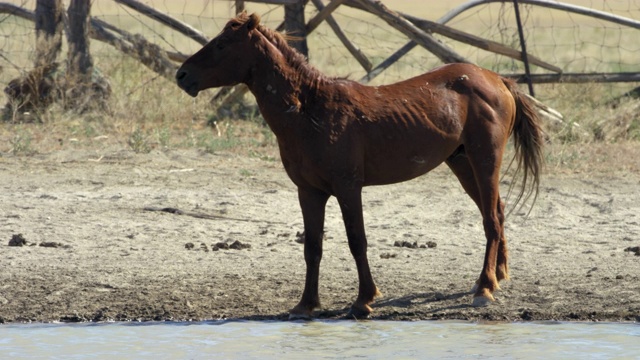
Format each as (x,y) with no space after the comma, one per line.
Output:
(279,89)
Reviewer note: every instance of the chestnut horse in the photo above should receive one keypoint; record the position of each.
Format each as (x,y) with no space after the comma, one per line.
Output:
(336,136)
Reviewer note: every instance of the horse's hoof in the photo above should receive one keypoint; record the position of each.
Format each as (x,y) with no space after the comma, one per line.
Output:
(300,312)
(481,301)
(359,314)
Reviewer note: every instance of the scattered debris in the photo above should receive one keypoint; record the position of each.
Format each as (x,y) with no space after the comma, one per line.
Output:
(414,245)
(17,240)
(220,246)
(53,244)
(633,249)
(406,244)
(388,256)
(237,245)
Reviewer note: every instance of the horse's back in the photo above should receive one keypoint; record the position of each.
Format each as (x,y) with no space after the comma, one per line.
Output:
(410,127)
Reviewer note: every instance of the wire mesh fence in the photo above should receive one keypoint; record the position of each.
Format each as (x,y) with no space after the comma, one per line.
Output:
(572,42)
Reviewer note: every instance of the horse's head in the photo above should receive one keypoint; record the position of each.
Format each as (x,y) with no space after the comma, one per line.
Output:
(223,61)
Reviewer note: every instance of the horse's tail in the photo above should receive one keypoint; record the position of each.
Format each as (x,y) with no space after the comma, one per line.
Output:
(528,140)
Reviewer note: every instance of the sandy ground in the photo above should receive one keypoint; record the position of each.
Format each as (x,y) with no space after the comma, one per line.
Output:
(107,258)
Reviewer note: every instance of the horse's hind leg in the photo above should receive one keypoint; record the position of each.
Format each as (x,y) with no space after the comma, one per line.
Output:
(313,205)
(461,167)
(478,173)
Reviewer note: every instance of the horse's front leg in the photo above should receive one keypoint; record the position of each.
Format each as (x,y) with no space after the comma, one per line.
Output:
(351,206)
(312,203)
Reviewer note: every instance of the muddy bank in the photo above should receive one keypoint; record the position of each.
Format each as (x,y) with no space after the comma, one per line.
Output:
(189,236)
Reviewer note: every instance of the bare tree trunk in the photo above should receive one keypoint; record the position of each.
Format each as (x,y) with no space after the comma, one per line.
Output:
(294,25)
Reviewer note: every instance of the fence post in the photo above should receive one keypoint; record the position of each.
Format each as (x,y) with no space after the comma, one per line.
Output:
(295,26)
(523,46)
(49,25)
(79,62)
(85,88)
(239,6)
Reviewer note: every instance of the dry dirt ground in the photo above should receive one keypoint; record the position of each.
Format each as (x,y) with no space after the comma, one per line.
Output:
(95,252)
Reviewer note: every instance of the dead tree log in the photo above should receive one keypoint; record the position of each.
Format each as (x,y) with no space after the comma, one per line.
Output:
(136,46)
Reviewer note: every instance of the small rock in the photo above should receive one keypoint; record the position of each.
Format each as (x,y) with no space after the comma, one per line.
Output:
(237,245)
(220,245)
(431,244)
(633,249)
(388,255)
(406,244)
(189,246)
(17,240)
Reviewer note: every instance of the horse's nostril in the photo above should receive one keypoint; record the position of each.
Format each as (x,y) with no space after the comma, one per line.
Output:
(181,74)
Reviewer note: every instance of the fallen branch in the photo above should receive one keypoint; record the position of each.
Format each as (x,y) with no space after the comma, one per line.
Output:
(476,41)
(416,34)
(176,211)
(165,19)
(355,52)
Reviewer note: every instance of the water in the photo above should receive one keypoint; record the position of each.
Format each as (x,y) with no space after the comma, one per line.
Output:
(321,340)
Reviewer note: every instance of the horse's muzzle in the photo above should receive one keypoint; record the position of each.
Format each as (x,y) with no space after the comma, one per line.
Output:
(186,83)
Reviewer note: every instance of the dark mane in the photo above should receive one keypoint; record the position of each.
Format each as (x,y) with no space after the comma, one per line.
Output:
(295,59)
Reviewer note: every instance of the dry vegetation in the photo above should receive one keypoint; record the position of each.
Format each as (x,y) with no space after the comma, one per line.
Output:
(148,112)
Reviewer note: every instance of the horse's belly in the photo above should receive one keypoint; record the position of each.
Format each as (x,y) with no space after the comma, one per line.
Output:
(398,169)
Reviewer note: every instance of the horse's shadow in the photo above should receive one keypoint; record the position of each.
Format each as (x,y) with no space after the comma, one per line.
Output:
(408,301)
(409,305)
(402,306)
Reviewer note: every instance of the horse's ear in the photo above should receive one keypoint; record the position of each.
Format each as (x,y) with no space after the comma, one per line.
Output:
(253,22)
